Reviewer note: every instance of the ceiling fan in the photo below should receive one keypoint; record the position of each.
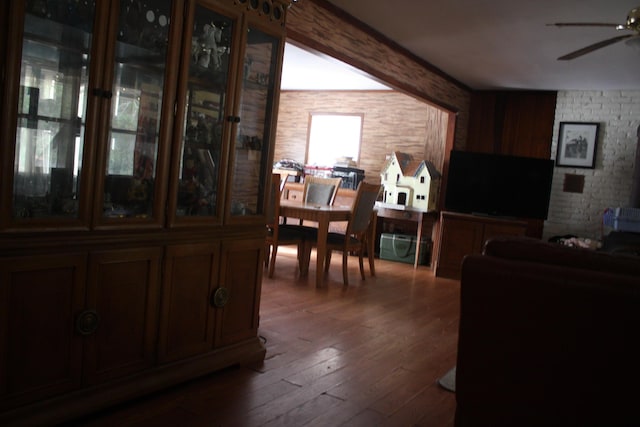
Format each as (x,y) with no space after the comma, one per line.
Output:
(632,24)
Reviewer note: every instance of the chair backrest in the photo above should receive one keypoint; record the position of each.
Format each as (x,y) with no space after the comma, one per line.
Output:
(321,191)
(366,196)
(345,197)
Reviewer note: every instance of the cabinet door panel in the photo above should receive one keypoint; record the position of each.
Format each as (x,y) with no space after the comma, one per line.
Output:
(137,87)
(123,291)
(459,238)
(492,230)
(40,352)
(465,234)
(188,320)
(251,159)
(209,52)
(51,96)
(242,276)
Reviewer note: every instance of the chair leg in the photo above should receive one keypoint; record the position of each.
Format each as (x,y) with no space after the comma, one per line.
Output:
(327,260)
(345,270)
(361,262)
(304,257)
(267,254)
(272,262)
(372,265)
(370,255)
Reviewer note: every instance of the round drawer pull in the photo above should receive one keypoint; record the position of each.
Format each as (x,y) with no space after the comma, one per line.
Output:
(220,297)
(87,322)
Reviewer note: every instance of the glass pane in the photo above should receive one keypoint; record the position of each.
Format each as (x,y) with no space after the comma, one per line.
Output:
(51,108)
(252,138)
(141,48)
(204,125)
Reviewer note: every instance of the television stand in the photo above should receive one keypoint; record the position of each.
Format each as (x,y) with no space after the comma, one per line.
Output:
(464,234)
(488,215)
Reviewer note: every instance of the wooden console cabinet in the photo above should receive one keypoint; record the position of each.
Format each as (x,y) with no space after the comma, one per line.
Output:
(137,144)
(462,234)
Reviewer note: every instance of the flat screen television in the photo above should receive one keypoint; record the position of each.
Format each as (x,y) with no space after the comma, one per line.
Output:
(498,185)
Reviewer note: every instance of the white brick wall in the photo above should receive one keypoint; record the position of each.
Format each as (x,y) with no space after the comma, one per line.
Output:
(609,184)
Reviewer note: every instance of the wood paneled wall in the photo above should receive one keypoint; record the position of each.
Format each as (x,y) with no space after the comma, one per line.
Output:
(518,123)
(392,121)
(320,25)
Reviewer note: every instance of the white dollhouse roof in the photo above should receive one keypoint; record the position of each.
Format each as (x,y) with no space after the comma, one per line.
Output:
(410,167)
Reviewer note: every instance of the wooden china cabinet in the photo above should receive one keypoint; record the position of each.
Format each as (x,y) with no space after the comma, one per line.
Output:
(137,143)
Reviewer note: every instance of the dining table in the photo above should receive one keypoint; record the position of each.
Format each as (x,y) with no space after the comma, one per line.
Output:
(323,215)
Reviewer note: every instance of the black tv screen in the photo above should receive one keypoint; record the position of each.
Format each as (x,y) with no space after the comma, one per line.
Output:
(498,185)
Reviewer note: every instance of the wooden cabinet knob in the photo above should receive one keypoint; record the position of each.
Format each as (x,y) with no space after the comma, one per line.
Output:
(87,322)
(220,297)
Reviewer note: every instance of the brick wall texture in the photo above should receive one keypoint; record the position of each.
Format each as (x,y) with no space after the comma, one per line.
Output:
(609,183)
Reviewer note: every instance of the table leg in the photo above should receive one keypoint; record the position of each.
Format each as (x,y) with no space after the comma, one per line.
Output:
(321,249)
(435,243)
(418,240)
(371,242)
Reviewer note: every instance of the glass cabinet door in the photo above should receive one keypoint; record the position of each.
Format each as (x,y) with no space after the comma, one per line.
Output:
(136,105)
(253,133)
(204,130)
(54,77)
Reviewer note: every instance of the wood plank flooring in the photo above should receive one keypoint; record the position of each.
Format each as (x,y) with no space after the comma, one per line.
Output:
(366,355)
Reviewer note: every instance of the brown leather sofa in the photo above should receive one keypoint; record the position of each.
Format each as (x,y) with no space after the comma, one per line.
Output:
(549,336)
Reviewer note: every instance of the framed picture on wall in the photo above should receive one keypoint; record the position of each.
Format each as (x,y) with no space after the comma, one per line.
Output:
(577,144)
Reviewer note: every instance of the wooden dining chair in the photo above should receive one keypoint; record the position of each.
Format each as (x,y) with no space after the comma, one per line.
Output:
(358,232)
(280,234)
(321,191)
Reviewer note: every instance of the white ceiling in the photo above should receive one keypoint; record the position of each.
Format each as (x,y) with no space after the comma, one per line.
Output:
(501,44)
(306,70)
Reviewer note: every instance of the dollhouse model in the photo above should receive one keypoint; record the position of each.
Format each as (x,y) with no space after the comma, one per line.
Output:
(410,183)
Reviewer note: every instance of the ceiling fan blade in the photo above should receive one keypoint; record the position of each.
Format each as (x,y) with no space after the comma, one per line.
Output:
(593,47)
(585,24)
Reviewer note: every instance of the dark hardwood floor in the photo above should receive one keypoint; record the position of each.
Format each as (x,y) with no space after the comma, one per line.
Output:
(366,355)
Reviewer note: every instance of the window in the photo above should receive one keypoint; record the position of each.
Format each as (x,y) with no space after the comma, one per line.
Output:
(332,136)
